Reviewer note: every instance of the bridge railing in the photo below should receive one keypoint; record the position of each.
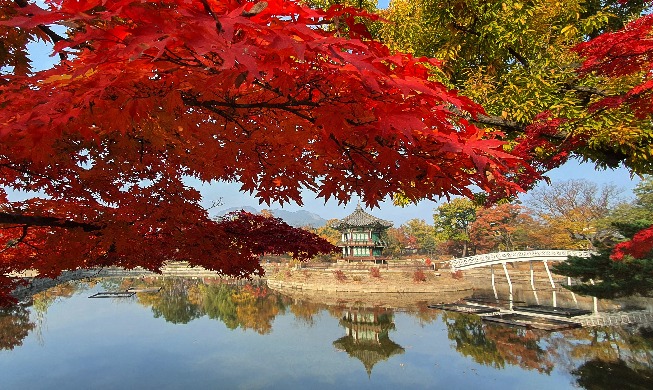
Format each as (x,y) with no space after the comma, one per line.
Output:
(469,262)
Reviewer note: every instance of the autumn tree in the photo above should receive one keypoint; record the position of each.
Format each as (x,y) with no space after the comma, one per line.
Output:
(578,208)
(452,221)
(523,61)
(328,232)
(274,95)
(503,227)
(398,240)
(422,234)
(15,325)
(623,268)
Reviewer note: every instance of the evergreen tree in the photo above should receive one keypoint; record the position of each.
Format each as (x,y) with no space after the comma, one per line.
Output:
(625,268)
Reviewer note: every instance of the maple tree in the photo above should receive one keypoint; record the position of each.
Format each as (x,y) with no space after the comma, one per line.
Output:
(500,228)
(274,95)
(397,240)
(421,235)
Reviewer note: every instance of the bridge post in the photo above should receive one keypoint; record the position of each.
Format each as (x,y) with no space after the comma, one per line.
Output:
(530,263)
(505,269)
(494,287)
(548,272)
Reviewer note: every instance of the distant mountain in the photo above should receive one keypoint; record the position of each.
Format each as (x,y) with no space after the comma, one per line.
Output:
(249,209)
(298,218)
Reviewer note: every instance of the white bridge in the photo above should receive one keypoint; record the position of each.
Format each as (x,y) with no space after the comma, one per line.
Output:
(491,259)
(545,256)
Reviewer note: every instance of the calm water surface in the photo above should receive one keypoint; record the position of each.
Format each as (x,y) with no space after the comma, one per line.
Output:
(204,334)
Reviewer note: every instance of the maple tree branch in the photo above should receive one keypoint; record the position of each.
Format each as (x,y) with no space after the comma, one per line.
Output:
(33,220)
(520,58)
(490,120)
(47,30)
(288,106)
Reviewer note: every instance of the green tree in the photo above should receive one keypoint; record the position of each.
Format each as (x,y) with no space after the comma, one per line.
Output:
(423,234)
(517,59)
(452,221)
(627,267)
(640,210)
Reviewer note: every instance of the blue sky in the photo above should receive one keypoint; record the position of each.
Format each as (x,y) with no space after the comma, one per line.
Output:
(230,196)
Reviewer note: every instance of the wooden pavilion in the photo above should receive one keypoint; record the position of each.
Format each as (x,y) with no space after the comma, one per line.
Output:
(362,236)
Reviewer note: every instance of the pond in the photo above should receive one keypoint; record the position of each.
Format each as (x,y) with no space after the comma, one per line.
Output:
(207,333)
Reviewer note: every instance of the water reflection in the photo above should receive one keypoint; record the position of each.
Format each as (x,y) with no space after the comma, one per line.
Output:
(15,325)
(496,345)
(181,301)
(366,335)
(592,358)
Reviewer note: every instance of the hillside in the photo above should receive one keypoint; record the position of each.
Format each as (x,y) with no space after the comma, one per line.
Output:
(297,218)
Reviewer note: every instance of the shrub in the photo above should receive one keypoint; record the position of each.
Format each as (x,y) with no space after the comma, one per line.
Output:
(375,272)
(457,274)
(340,276)
(419,276)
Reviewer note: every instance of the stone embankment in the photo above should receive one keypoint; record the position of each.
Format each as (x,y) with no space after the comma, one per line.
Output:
(347,281)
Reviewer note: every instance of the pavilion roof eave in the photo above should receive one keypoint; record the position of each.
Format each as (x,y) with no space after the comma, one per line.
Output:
(361,219)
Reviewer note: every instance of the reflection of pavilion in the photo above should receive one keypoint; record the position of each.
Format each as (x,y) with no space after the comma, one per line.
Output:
(367,336)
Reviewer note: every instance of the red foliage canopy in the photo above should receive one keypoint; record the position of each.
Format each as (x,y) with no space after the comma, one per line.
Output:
(620,53)
(640,247)
(150,92)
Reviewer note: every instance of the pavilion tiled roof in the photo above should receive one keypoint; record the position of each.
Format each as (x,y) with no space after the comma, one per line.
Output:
(360,218)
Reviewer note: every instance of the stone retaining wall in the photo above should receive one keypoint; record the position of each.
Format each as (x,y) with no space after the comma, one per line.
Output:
(385,288)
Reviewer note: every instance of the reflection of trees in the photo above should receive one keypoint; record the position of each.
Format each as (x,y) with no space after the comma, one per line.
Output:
(520,347)
(183,300)
(624,350)
(423,313)
(14,326)
(367,336)
(468,334)
(496,345)
(305,310)
(172,302)
(598,374)
(245,307)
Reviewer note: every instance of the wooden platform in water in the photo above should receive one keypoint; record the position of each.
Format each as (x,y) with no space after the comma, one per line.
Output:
(531,322)
(144,290)
(490,300)
(465,308)
(553,311)
(113,294)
